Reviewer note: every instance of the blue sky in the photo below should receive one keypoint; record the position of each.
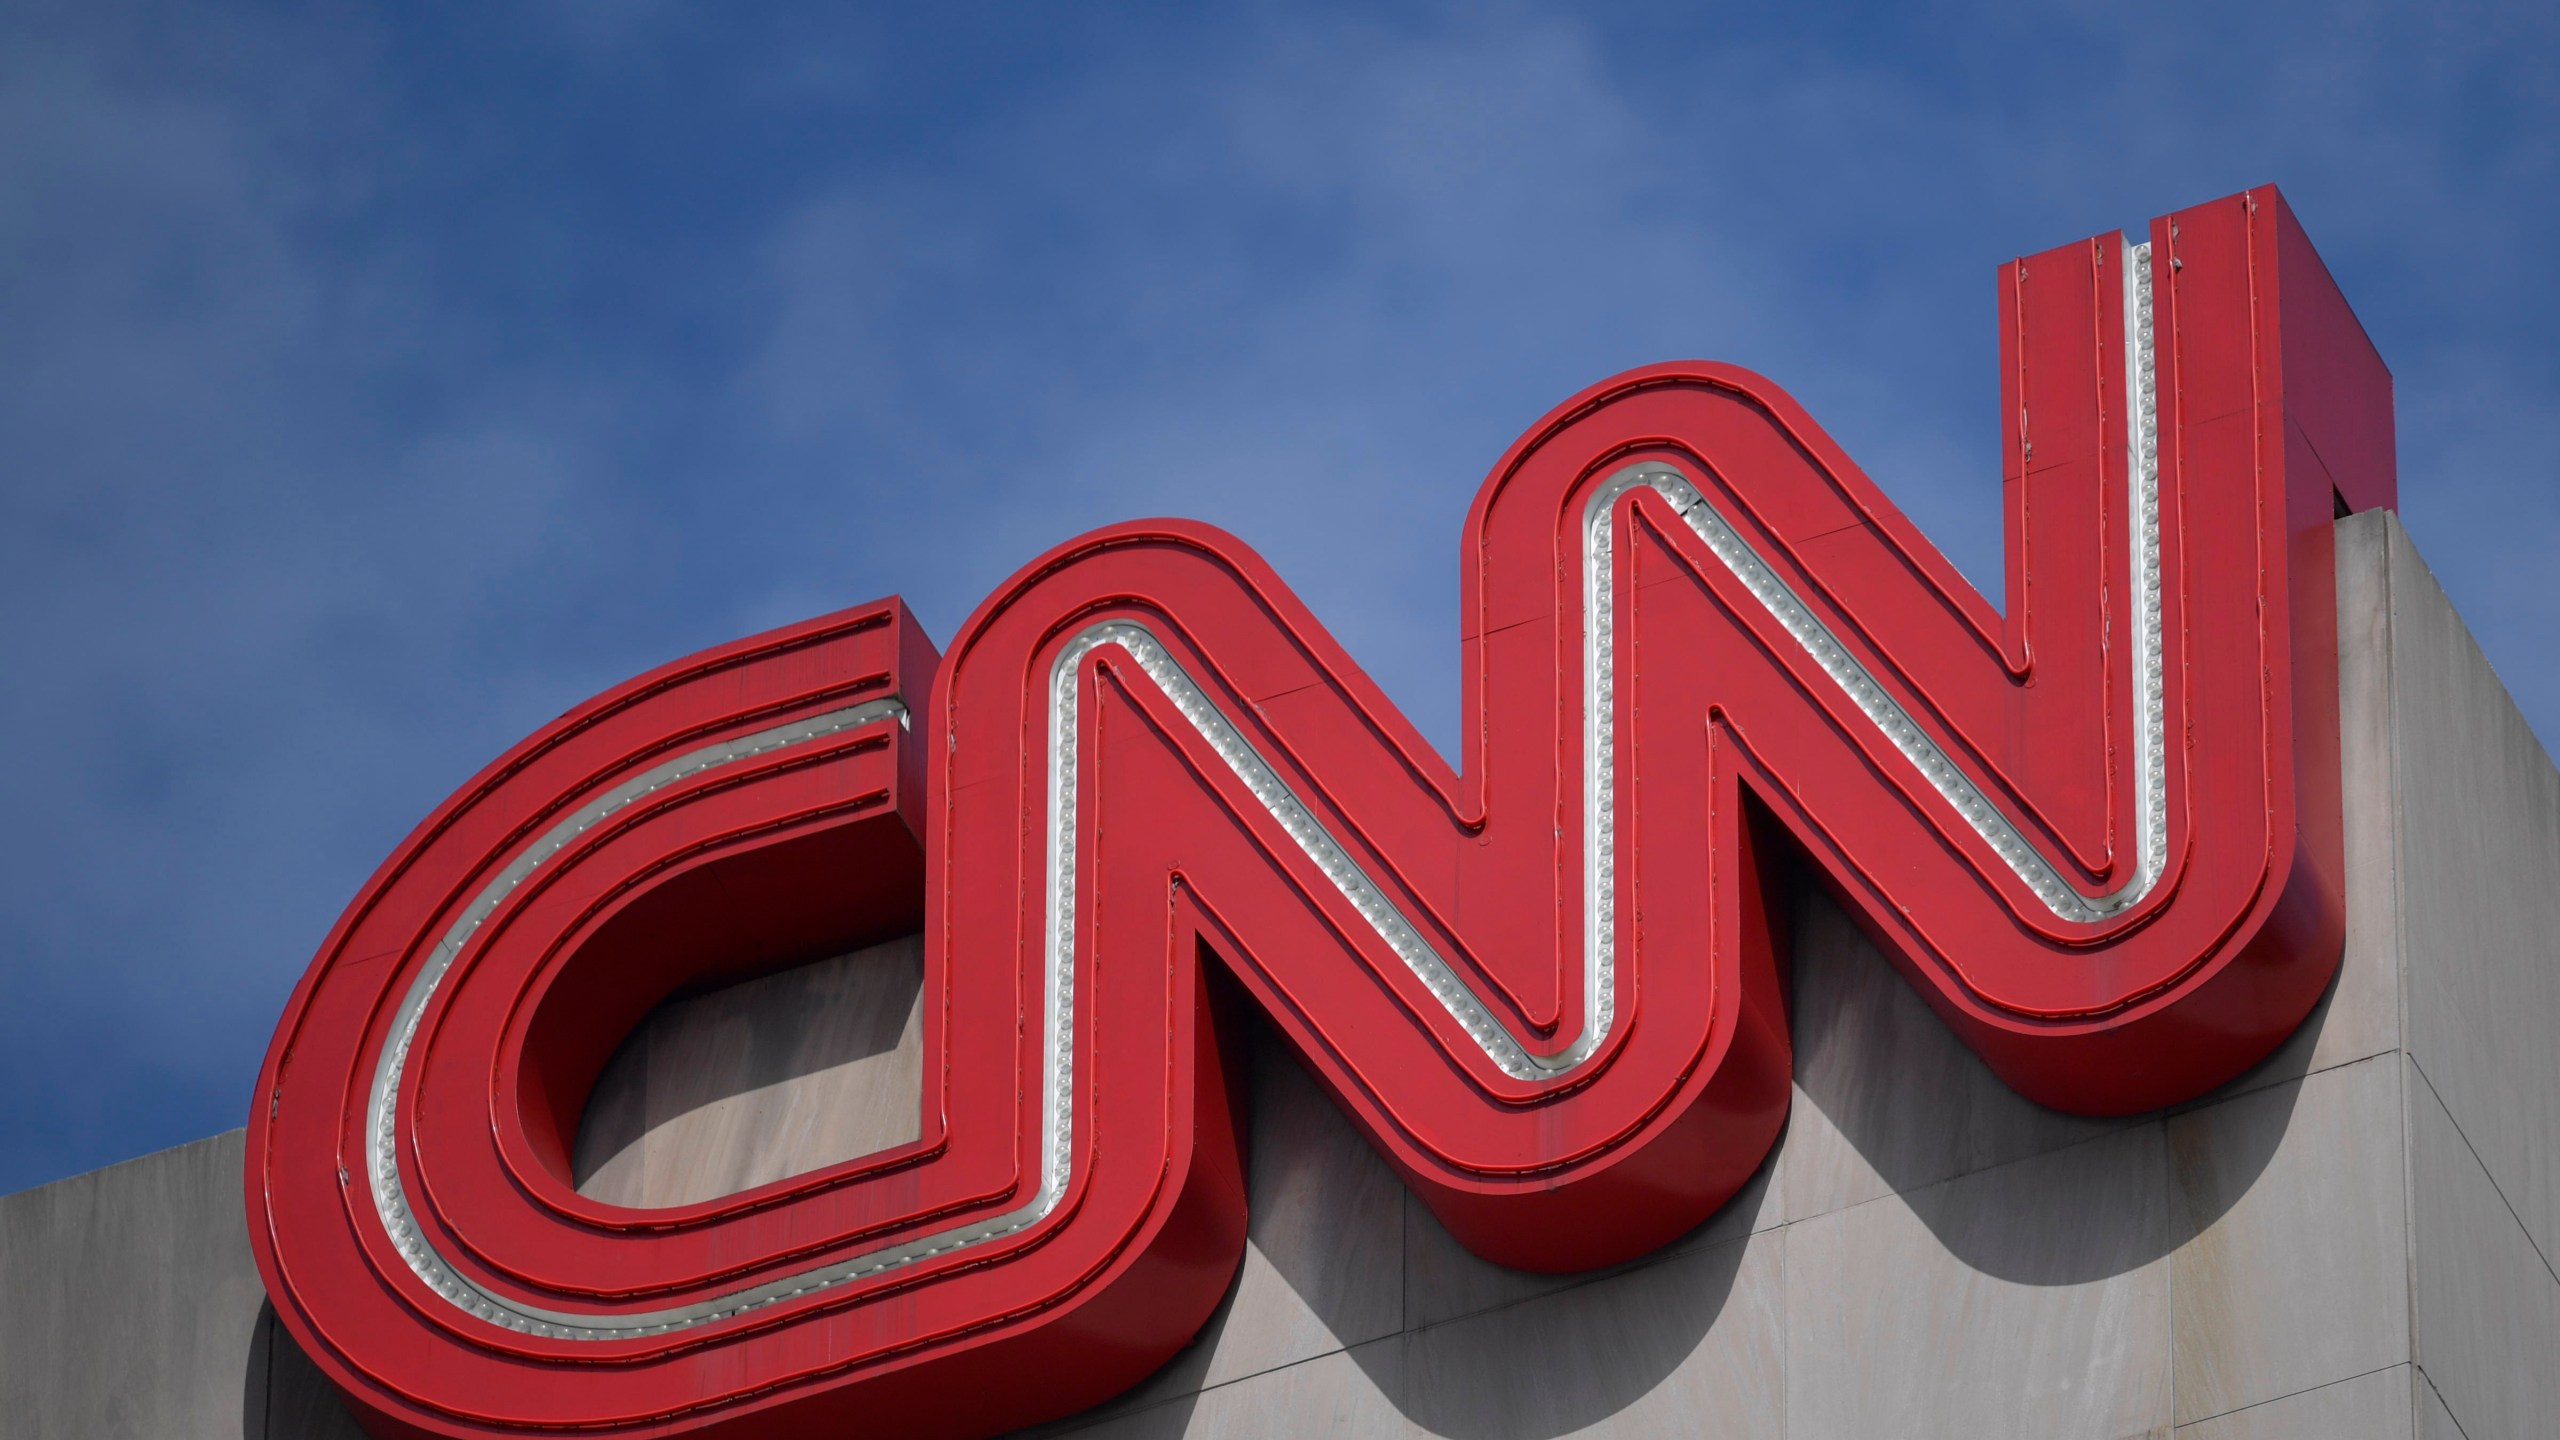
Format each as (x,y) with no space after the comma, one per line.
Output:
(375,386)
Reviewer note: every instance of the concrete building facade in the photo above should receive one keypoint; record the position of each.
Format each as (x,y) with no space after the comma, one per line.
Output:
(2355,1241)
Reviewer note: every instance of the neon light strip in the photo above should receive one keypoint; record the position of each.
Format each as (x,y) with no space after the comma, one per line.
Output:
(1329,855)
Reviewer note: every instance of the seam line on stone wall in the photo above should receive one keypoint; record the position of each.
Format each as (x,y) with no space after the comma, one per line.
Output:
(2486,1173)
(1654,1261)
(2441,1402)
(2292,1394)
(2156,1117)
(1194,1395)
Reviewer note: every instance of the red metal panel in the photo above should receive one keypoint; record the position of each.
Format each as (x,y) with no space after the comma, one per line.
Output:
(1546,985)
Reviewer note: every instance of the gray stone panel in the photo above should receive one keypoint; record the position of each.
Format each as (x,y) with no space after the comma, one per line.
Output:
(1444,1280)
(756,1082)
(1324,1249)
(2480,895)
(130,1307)
(1887,1099)
(2361,1015)
(128,1302)
(2027,1301)
(1692,1344)
(2376,1406)
(2488,1307)
(1324,1252)
(2292,1271)
(1331,1395)
(1687,1345)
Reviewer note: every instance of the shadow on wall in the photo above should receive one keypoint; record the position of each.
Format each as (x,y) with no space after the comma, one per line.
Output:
(810,1066)
(1891,1108)
(284,1396)
(1890,1102)
(750,1083)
